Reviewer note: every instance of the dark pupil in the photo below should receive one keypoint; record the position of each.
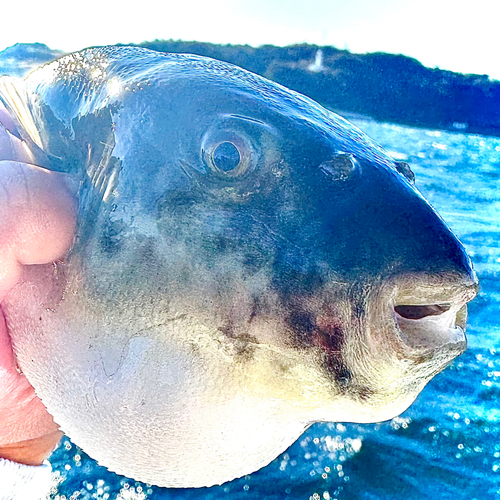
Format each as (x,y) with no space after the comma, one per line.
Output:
(226,156)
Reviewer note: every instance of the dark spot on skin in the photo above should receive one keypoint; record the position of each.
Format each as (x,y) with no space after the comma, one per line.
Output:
(228,330)
(176,203)
(325,333)
(255,310)
(422,359)
(244,344)
(110,240)
(329,335)
(337,368)
(283,368)
(330,338)
(220,244)
(254,261)
(258,308)
(214,246)
(363,393)
(303,325)
(148,251)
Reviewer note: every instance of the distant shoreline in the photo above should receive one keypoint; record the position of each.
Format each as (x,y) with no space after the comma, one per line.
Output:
(384,87)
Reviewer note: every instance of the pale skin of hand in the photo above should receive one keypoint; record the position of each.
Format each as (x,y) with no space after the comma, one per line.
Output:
(37,225)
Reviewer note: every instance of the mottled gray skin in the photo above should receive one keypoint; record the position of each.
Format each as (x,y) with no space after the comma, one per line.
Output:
(206,316)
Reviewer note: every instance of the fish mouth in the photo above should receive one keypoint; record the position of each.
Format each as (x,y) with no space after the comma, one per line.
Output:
(431,326)
(432,318)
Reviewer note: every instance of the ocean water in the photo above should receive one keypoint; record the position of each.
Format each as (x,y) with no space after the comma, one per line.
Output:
(447,444)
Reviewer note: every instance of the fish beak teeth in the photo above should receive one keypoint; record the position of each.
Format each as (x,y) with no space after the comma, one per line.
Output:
(432,326)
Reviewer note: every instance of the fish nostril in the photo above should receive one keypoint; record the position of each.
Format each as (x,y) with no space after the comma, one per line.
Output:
(419,312)
(340,167)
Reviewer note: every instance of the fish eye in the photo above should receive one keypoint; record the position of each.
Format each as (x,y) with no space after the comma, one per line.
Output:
(226,156)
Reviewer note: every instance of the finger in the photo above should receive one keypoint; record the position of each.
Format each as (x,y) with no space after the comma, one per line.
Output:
(7,359)
(37,219)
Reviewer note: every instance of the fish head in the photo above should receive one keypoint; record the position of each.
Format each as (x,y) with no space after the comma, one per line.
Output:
(246,263)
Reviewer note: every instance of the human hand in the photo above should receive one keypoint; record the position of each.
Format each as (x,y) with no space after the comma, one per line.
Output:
(37,223)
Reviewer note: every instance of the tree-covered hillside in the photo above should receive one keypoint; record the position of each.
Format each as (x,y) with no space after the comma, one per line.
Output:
(386,87)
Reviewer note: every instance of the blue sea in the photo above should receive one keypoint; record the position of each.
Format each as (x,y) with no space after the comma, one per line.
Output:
(447,444)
